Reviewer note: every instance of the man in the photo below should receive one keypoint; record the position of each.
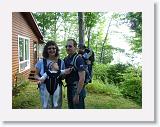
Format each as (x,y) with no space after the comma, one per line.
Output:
(75,80)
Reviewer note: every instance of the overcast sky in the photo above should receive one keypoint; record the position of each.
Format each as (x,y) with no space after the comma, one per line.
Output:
(117,39)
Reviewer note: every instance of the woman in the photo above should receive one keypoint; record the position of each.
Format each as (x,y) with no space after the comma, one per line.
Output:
(51,54)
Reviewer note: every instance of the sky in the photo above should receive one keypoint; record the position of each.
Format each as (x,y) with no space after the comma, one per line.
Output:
(117,39)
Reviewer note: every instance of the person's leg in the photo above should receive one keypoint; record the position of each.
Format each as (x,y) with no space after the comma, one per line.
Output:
(81,104)
(70,97)
(44,95)
(60,97)
(90,72)
(57,97)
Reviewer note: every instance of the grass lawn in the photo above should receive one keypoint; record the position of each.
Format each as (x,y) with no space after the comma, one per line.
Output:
(29,98)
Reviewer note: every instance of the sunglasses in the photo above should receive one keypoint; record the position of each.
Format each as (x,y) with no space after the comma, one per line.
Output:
(52,48)
(69,46)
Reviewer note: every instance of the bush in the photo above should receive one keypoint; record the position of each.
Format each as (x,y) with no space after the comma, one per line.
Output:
(19,87)
(115,73)
(131,87)
(27,97)
(100,72)
(100,88)
(126,77)
(112,74)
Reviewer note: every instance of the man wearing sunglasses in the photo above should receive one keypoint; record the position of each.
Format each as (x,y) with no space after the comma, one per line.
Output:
(75,80)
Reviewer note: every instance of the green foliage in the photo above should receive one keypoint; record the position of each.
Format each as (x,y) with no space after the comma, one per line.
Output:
(115,73)
(27,98)
(91,18)
(100,72)
(20,84)
(135,19)
(126,77)
(112,74)
(131,87)
(108,54)
(98,87)
(19,87)
(45,20)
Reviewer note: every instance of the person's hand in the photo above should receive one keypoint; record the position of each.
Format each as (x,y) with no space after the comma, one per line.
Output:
(68,70)
(40,80)
(80,55)
(88,62)
(76,99)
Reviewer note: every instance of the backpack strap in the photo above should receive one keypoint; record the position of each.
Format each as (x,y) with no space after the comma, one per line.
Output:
(60,67)
(59,64)
(74,61)
(45,65)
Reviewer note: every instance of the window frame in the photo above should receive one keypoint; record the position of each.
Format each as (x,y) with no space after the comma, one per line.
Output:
(28,61)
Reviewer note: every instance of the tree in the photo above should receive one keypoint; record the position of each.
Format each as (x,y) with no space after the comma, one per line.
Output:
(43,20)
(47,21)
(81,27)
(109,49)
(105,39)
(135,19)
(91,19)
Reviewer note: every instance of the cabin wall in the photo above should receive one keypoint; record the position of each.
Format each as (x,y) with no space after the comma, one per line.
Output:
(21,27)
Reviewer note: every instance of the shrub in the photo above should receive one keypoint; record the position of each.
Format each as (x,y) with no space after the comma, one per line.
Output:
(100,72)
(112,74)
(131,87)
(100,88)
(21,83)
(115,73)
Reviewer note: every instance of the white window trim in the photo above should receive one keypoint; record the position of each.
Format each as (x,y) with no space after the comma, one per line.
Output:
(28,67)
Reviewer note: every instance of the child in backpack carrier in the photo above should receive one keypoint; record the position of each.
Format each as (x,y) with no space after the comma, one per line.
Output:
(86,53)
(54,73)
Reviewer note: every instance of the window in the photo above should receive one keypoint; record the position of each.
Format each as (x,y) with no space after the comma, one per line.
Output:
(24,53)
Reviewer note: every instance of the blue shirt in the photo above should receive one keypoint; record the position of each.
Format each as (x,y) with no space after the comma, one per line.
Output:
(73,76)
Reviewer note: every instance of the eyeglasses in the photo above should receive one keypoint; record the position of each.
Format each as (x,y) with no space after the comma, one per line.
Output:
(69,46)
(80,47)
(52,48)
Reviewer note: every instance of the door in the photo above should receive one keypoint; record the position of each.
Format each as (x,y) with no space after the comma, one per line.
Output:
(35,52)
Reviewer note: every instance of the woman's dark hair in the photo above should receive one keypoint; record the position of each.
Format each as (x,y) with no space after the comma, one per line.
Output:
(45,50)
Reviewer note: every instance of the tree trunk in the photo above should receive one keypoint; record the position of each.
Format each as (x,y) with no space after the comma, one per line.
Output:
(105,39)
(88,36)
(81,28)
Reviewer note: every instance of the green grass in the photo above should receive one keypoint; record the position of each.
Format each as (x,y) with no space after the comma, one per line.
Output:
(100,101)
(29,98)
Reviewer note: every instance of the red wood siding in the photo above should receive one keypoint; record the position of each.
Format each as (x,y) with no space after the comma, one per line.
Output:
(20,27)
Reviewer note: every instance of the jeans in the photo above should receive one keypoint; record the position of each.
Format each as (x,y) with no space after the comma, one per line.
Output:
(71,91)
(90,71)
(47,100)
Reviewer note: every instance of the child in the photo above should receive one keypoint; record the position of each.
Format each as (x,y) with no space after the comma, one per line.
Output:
(87,55)
(53,68)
